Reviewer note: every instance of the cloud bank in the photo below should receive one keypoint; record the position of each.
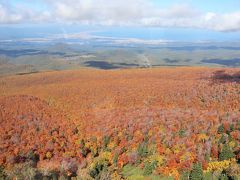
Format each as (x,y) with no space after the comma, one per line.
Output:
(120,13)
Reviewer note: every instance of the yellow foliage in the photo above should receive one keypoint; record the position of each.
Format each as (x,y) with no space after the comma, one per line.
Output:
(93,164)
(175,173)
(150,133)
(232,144)
(168,151)
(48,155)
(155,157)
(88,145)
(162,128)
(219,165)
(137,133)
(187,156)
(78,142)
(68,154)
(116,176)
(176,149)
(111,145)
(120,134)
(171,172)
(106,156)
(62,144)
(202,137)
(100,159)
(93,149)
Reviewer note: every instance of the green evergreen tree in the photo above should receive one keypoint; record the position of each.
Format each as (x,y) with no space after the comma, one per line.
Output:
(226,153)
(222,140)
(221,129)
(231,128)
(142,149)
(115,159)
(223,176)
(184,175)
(2,173)
(197,172)
(106,141)
(230,138)
(149,167)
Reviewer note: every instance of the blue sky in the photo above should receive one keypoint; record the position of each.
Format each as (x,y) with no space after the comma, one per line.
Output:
(220,6)
(149,19)
(36,4)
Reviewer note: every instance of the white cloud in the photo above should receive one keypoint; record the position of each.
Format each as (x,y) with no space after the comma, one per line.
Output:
(19,14)
(101,11)
(122,13)
(6,16)
(225,22)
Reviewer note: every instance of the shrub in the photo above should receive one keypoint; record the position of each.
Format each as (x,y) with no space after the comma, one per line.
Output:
(233,171)
(49,168)
(22,171)
(33,156)
(83,174)
(69,167)
(105,175)
(130,170)
(136,177)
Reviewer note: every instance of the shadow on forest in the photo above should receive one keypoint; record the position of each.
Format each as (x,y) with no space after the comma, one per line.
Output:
(29,52)
(106,65)
(222,77)
(226,62)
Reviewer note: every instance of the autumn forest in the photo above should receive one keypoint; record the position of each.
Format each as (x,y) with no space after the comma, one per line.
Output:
(158,123)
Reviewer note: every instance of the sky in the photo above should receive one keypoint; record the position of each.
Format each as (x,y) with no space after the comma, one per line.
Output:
(165,19)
